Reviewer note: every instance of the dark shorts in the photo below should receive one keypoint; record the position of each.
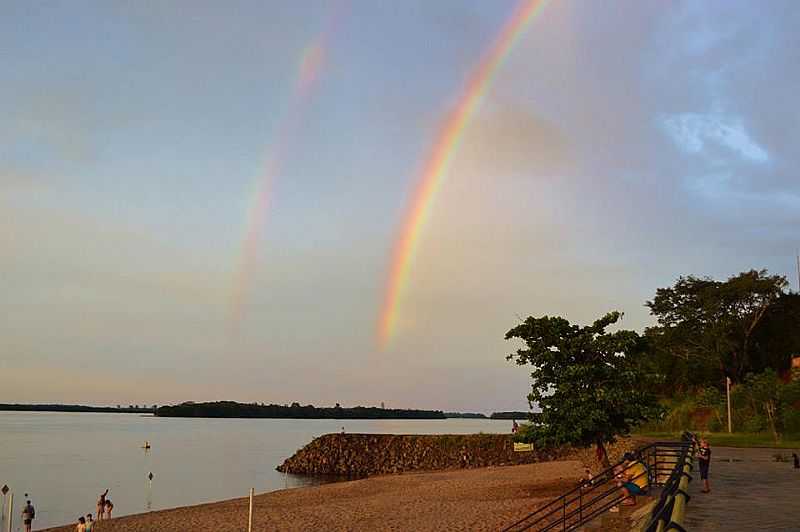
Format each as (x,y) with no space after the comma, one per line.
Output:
(26,521)
(704,470)
(633,489)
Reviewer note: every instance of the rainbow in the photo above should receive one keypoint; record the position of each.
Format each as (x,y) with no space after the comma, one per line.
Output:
(310,66)
(440,158)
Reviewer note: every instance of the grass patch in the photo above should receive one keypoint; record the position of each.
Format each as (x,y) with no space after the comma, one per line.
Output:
(737,439)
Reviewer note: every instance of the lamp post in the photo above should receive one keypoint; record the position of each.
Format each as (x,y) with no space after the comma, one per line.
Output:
(728,393)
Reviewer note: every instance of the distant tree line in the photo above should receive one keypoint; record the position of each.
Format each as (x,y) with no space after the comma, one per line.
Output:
(231,409)
(520,416)
(135,409)
(465,415)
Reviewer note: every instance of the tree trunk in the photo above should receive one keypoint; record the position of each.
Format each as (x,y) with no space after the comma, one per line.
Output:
(602,455)
(769,406)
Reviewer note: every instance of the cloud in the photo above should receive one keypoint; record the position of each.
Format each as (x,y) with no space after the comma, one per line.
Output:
(691,132)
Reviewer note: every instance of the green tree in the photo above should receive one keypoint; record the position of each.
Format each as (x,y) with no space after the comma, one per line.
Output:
(590,384)
(777,337)
(710,325)
(764,392)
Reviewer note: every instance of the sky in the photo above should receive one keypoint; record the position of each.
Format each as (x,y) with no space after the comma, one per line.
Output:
(618,147)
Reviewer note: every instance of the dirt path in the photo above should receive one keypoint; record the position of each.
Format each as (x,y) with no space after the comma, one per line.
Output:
(474,500)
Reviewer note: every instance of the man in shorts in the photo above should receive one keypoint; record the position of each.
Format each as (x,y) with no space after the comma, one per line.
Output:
(28,515)
(704,459)
(634,479)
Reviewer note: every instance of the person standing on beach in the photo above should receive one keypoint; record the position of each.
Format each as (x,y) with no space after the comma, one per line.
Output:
(89,523)
(704,459)
(81,525)
(28,515)
(109,507)
(101,504)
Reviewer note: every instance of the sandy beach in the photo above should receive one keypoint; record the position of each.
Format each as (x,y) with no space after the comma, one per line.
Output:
(472,499)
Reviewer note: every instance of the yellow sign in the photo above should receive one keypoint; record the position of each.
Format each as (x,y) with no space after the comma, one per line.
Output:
(523,447)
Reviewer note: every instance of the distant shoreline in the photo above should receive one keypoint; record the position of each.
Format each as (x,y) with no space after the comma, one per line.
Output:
(233,410)
(76,408)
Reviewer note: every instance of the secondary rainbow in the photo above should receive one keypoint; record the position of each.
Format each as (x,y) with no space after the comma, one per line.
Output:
(439,159)
(308,71)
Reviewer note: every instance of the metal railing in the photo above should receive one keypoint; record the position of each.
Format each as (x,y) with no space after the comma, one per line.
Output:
(666,464)
(670,510)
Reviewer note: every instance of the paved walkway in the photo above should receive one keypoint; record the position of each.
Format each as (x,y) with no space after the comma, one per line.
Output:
(749,491)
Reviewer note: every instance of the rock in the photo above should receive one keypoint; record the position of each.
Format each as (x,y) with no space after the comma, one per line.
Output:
(362,455)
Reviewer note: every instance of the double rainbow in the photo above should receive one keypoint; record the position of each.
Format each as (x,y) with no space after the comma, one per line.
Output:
(440,158)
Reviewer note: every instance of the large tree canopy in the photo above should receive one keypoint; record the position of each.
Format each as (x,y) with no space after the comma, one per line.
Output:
(589,383)
(710,325)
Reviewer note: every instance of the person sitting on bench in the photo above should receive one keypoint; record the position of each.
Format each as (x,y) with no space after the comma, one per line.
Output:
(634,479)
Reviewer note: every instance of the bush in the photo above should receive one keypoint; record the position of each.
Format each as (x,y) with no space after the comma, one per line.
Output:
(715,425)
(525,433)
(754,424)
(791,421)
(710,397)
(680,417)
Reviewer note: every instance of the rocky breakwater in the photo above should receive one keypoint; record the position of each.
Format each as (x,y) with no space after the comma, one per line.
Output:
(363,455)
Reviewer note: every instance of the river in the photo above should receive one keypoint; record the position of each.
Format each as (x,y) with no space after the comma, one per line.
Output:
(63,461)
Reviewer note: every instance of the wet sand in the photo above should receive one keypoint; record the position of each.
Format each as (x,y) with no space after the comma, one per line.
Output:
(472,499)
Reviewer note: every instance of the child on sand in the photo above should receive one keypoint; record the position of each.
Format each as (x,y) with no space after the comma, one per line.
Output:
(89,523)
(81,525)
(109,507)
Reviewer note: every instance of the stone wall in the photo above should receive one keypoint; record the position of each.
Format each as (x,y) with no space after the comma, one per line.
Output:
(362,455)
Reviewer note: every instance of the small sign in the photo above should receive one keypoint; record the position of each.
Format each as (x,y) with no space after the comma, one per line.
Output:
(523,447)
(4,489)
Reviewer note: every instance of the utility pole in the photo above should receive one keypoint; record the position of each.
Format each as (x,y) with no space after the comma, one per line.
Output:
(798,272)
(728,393)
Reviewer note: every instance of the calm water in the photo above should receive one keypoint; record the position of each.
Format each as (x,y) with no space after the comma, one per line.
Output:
(64,460)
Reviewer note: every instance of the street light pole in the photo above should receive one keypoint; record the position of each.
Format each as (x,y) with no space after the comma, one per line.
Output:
(728,393)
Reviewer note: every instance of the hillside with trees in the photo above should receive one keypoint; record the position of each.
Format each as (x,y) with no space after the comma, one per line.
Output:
(593,386)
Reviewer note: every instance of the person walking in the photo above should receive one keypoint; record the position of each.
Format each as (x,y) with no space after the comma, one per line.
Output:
(704,459)
(28,515)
